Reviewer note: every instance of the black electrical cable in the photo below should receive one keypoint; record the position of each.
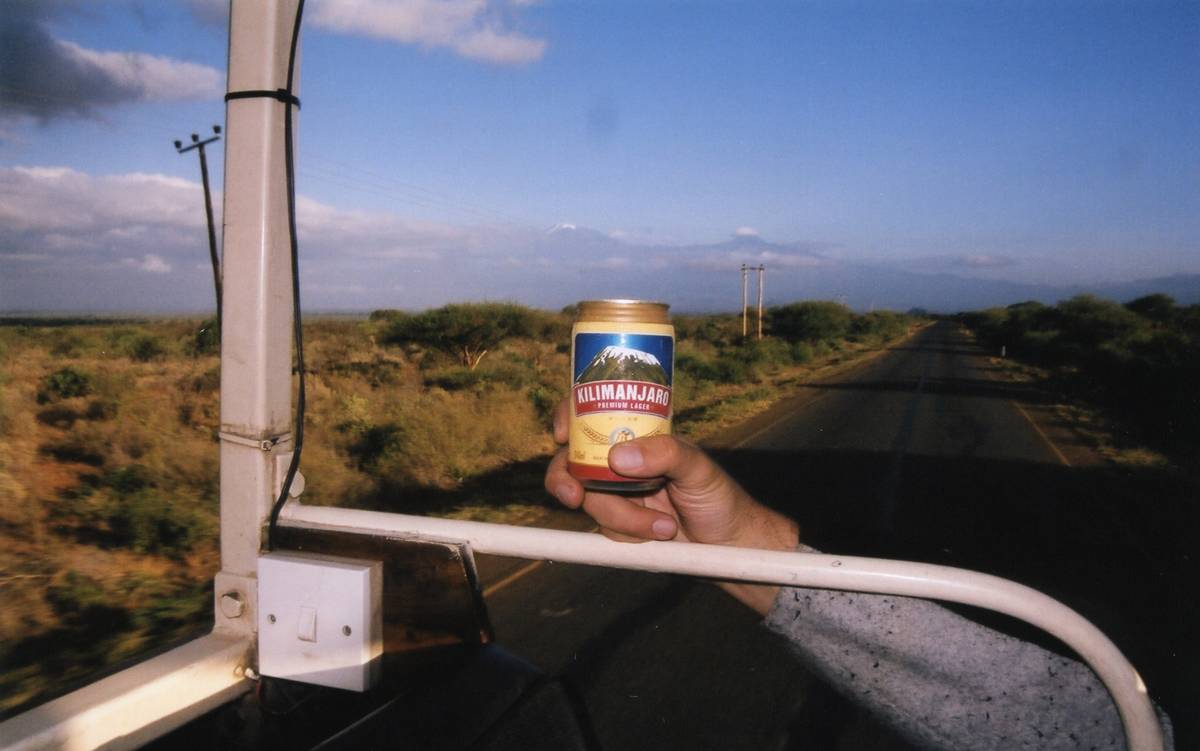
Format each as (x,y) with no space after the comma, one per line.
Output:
(297,328)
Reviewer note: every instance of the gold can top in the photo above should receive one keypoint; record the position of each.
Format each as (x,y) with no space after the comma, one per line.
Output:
(623,311)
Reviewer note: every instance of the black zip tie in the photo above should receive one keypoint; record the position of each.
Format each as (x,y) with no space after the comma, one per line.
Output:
(282,95)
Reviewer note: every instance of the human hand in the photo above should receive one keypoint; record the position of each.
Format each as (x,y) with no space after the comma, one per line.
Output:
(698,503)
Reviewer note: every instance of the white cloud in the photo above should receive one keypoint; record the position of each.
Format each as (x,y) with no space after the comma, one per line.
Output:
(150,263)
(475,29)
(493,46)
(745,232)
(49,200)
(156,222)
(48,78)
(149,78)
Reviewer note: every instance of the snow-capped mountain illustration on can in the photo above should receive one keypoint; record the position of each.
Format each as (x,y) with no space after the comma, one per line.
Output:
(621,379)
(623,355)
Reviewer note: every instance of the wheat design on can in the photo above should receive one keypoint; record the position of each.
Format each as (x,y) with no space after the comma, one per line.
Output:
(622,371)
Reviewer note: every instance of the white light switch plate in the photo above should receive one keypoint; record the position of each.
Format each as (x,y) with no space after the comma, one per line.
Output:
(320,619)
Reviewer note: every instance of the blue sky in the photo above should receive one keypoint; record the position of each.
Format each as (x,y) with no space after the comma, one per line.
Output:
(1024,142)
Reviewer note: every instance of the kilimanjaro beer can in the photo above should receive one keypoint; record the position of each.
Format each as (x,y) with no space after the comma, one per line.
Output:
(622,363)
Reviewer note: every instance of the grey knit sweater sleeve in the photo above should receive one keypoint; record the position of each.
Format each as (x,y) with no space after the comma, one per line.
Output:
(943,681)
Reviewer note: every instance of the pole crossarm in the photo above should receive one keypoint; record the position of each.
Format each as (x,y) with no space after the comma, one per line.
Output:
(196,145)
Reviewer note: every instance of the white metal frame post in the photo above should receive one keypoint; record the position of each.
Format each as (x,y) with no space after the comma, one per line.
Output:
(256,345)
(134,706)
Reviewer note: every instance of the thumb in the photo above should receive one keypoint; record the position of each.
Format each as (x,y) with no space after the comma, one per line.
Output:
(685,466)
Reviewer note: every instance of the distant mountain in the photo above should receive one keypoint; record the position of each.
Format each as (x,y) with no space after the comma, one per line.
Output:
(580,263)
(615,363)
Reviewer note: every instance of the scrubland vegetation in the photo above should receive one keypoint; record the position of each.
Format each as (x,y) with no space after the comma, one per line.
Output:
(109,449)
(1140,361)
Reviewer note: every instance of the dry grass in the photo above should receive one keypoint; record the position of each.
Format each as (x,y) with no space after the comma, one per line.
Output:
(109,464)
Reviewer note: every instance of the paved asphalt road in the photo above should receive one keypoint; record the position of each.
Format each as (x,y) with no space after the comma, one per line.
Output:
(924,453)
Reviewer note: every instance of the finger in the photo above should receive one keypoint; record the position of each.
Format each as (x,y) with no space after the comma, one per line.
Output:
(560,484)
(618,537)
(665,456)
(562,421)
(621,515)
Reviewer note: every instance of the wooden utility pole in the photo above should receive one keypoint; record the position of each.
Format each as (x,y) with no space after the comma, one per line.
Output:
(208,211)
(760,300)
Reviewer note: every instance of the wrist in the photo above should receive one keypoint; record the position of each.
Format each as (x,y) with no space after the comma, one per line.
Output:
(763,529)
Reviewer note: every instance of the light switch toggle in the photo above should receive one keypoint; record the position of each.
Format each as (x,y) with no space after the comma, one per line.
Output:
(307,626)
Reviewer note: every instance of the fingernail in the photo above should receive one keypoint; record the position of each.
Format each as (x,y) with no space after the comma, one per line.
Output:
(663,529)
(625,458)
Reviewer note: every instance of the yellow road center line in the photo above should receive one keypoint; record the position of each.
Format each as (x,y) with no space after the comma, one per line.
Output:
(520,573)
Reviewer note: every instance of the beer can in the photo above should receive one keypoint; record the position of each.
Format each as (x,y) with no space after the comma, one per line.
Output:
(622,368)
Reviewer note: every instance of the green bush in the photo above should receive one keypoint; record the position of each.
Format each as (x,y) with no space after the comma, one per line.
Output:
(880,324)
(802,352)
(765,352)
(370,442)
(696,367)
(1159,308)
(146,521)
(386,315)
(455,379)
(465,331)
(1139,358)
(717,330)
(144,348)
(544,399)
(85,606)
(101,409)
(1088,321)
(810,321)
(68,383)
(128,479)
(207,382)
(78,446)
(66,344)
(730,367)
(206,340)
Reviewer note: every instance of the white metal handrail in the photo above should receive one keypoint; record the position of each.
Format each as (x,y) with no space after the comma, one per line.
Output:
(872,575)
(133,707)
